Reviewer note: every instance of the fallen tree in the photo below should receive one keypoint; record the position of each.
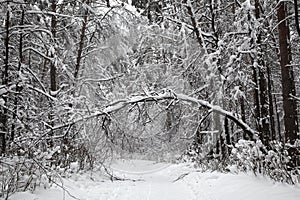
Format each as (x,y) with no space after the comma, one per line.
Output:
(164,95)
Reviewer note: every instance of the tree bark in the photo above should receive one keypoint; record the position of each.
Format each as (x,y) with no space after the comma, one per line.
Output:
(3,115)
(18,89)
(271,105)
(193,20)
(264,110)
(243,112)
(53,83)
(263,94)
(287,77)
(81,44)
(297,17)
(226,130)
(256,100)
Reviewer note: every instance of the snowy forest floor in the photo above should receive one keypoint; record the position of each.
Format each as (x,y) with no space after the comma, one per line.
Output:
(150,180)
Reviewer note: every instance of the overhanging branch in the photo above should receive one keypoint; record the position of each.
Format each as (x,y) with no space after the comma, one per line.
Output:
(165,95)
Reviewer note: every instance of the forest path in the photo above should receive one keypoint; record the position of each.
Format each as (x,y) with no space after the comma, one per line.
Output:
(149,180)
(153,181)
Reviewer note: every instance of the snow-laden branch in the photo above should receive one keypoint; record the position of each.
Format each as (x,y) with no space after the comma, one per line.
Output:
(166,95)
(217,109)
(103,79)
(37,52)
(294,97)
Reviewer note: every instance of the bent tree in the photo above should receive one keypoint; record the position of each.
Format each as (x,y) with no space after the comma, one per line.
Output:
(165,95)
(81,77)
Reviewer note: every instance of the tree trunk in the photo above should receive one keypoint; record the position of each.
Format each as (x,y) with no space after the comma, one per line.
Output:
(263,94)
(18,89)
(193,20)
(297,17)
(81,44)
(271,105)
(226,130)
(287,78)
(278,120)
(233,7)
(53,75)
(52,65)
(3,114)
(264,110)
(256,100)
(243,110)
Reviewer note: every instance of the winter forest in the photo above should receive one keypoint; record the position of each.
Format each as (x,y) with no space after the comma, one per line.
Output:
(211,83)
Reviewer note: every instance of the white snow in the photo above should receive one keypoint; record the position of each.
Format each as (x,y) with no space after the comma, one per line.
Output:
(164,181)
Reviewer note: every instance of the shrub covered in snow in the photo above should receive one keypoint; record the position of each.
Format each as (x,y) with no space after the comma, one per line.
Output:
(275,162)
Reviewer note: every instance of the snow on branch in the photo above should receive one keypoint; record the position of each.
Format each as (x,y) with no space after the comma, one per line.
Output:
(294,97)
(165,95)
(103,79)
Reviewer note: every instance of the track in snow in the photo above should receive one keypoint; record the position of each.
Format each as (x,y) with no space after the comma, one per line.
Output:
(147,180)
(155,181)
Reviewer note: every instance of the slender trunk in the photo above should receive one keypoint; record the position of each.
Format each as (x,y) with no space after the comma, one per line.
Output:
(53,75)
(256,100)
(3,115)
(223,146)
(264,109)
(271,105)
(169,124)
(278,120)
(193,20)
(18,89)
(297,17)
(233,6)
(81,45)
(225,139)
(263,95)
(213,24)
(243,113)
(53,83)
(287,78)
(226,129)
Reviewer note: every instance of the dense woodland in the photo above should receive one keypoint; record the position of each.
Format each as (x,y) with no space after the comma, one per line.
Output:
(215,82)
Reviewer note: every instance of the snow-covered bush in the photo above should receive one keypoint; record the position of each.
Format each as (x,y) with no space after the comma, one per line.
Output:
(19,173)
(275,162)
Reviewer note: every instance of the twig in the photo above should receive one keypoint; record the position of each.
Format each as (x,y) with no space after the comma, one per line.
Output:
(181,177)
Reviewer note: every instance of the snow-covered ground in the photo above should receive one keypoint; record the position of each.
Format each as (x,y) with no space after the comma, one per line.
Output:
(162,181)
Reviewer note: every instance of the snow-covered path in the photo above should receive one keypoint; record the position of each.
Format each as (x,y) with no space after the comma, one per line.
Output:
(147,180)
(154,181)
